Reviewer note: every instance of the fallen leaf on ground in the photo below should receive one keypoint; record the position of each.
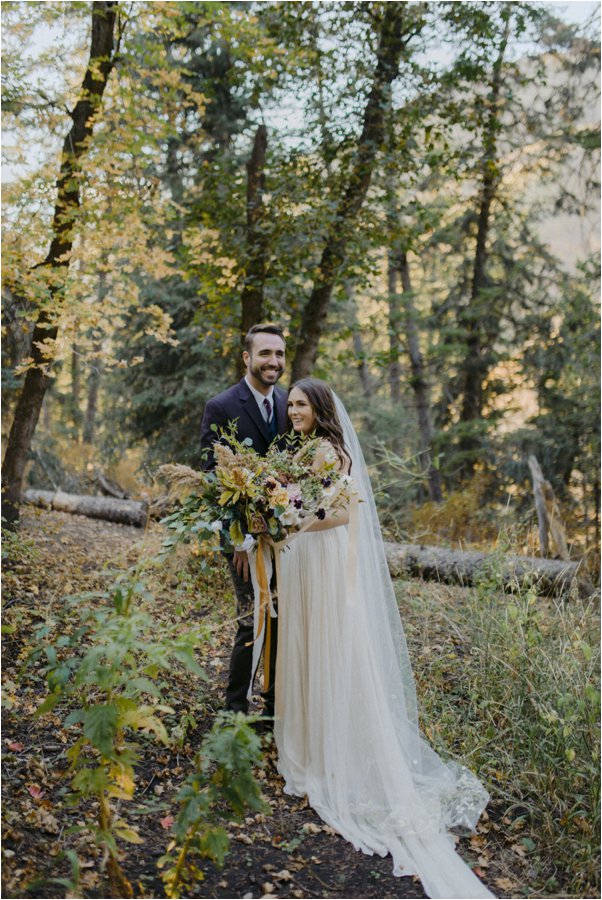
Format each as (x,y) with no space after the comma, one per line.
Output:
(284,875)
(35,791)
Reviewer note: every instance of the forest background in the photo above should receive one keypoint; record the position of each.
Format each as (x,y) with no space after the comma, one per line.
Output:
(410,189)
(417,207)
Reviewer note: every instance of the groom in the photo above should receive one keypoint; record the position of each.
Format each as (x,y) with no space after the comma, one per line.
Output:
(259,408)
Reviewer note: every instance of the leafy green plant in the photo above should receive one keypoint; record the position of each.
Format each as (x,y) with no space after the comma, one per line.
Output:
(16,549)
(515,692)
(107,672)
(223,786)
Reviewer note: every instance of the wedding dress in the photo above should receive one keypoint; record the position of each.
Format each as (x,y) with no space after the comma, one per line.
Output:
(345,719)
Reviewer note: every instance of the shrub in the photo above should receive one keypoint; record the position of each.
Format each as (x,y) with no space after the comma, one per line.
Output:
(516,694)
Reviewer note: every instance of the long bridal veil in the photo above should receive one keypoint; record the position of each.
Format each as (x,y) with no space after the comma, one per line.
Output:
(391,792)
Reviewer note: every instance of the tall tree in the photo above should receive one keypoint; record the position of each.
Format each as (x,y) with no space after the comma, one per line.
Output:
(252,294)
(419,381)
(476,363)
(100,63)
(397,25)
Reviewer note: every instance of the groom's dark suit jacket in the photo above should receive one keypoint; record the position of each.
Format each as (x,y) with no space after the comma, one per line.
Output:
(239,403)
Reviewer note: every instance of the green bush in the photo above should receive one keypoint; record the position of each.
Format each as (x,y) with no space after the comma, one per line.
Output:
(517,695)
(105,676)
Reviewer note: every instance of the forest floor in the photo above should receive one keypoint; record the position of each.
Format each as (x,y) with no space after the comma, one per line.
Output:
(286,853)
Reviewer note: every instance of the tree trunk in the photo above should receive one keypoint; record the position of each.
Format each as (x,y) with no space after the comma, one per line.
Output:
(100,64)
(468,566)
(16,340)
(91,415)
(109,487)
(252,295)
(475,366)
(362,367)
(127,512)
(394,368)
(392,41)
(76,414)
(419,381)
(366,380)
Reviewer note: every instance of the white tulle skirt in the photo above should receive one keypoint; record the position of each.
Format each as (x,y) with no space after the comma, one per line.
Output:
(343,736)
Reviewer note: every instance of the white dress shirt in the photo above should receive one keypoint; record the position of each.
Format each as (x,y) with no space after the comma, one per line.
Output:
(259,397)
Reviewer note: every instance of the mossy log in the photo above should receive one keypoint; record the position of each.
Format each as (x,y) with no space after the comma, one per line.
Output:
(126,512)
(467,567)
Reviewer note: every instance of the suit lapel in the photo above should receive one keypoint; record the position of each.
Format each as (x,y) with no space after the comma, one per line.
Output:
(281,411)
(249,405)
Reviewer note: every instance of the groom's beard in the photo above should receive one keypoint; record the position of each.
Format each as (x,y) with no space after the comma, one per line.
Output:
(266,375)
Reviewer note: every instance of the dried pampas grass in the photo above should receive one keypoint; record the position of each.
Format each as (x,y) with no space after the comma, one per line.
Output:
(182,477)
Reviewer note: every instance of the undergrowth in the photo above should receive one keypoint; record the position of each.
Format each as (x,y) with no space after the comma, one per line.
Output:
(512,686)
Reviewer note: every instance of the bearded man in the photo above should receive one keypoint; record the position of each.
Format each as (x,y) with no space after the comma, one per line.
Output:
(259,409)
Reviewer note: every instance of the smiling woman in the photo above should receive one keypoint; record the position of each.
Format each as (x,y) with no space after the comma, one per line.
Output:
(311,407)
(346,725)
(300,411)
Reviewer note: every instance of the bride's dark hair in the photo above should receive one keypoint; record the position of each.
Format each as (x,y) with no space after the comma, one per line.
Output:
(322,403)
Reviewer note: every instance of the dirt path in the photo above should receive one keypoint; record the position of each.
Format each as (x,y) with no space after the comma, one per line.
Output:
(289,853)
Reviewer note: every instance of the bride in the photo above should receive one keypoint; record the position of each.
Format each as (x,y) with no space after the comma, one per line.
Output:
(345,719)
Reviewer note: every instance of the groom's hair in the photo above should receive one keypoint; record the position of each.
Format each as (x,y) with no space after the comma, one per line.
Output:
(265,328)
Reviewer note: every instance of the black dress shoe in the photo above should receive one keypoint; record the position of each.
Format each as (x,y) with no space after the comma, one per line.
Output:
(264,725)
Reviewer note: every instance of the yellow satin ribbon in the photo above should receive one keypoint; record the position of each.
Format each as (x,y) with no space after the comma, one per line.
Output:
(265,617)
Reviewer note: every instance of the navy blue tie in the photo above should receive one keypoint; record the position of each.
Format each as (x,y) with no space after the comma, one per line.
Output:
(271,418)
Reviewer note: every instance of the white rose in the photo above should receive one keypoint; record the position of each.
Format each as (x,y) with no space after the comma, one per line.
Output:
(291,517)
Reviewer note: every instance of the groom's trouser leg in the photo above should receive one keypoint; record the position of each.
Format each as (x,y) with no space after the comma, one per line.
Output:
(241,660)
(268,696)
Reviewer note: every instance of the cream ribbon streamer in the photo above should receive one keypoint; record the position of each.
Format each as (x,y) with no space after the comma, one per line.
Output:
(261,570)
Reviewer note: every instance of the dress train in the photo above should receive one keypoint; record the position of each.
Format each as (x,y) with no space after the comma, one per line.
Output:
(346,726)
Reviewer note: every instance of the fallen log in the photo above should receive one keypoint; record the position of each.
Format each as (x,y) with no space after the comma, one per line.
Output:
(126,512)
(467,567)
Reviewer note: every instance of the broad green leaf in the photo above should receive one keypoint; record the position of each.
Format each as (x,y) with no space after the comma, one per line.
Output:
(236,535)
(128,834)
(75,717)
(100,725)
(215,844)
(49,703)
(90,781)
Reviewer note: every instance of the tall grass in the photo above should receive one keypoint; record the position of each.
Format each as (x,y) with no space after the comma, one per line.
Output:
(510,682)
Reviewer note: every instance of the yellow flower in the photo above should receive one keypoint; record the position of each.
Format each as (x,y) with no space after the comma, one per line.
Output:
(237,482)
(278,496)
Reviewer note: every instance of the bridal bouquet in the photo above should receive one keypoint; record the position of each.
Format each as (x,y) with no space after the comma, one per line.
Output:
(248,496)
